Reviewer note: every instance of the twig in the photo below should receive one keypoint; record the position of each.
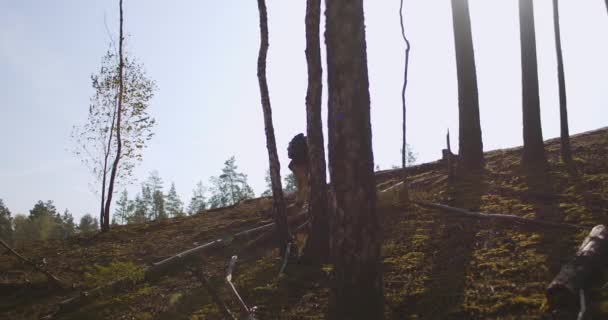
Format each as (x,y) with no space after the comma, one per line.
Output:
(58,282)
(581,313)
(497,216)
(215,296)
(244,309)
(285,259)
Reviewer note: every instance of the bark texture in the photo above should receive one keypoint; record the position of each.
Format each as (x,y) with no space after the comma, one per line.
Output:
(534,151)
(470,145)
(357,291)
(566,152)
(105,226)
(563,292)
(317,244)
(278,200)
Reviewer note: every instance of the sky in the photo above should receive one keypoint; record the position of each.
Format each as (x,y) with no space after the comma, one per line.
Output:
(203,56)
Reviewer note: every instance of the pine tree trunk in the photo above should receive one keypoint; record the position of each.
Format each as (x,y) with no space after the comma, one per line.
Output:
(404,191)
(534,151)
(278,201)
(317,245)
(470,145)
(106,219)
(563,107)
(357,291)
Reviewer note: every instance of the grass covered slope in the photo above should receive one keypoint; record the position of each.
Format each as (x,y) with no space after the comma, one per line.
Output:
(436,266)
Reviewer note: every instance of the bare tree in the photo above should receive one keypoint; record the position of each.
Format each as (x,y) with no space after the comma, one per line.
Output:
(357,292)
(534,151)
(317,244)
(404,192)
(278,201)
(470,145)
(563,107)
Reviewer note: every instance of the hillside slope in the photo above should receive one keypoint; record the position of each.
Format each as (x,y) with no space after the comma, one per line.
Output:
(435,266)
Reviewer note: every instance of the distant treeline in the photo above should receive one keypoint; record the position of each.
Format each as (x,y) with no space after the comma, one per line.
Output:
(43,222)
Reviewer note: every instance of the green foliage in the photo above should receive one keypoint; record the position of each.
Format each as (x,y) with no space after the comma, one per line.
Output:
(157,208)
(124,208)
(289,184)
(173,204)
(6,230)
(101,275)
(88,224)
(230,187)
(92,138)
(198,202)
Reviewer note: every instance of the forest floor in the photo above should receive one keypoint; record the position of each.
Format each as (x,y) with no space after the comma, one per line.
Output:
(435,266)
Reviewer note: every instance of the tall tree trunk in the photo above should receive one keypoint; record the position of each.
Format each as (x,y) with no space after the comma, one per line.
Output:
(106,219)
(278,201)
(534,151)
(404,191)
(317,245)
(470,145)
(105,167)
(563,107)
(357,291)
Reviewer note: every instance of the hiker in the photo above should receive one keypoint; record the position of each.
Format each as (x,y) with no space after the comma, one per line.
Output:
(297,151)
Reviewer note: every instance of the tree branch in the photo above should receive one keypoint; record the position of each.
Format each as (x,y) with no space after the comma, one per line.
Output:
(52,278)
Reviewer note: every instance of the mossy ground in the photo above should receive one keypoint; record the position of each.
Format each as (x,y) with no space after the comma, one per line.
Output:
(435,266)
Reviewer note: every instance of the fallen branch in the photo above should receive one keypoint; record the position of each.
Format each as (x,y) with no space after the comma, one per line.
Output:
(160,267)
(52,278)
(215,296)
(244,309)
(564,292)
(498,216)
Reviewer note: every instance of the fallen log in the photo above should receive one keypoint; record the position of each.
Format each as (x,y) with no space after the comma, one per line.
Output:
(52,278)
(564,292)
(267,227)
(498,216)
(215,296)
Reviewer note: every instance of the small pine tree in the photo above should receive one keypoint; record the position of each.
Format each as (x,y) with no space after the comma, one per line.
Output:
(197,202)
(140,210)
(123,208)
(88,224)
(159,205)
(230,187)
(173,204)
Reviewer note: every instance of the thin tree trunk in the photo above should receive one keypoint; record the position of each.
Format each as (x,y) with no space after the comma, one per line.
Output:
(470,144)
(357,291)
(404,193)
(278,201)
(105,167)
(534,151)
(106,223)
(317,244)
(563,107)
